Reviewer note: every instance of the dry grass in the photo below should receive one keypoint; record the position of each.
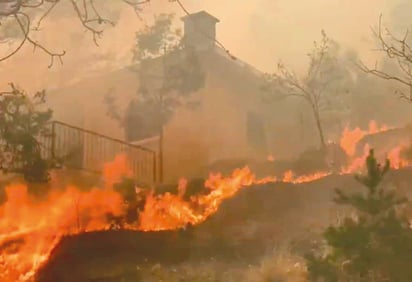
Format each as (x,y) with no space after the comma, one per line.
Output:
(202,272)
(282,265)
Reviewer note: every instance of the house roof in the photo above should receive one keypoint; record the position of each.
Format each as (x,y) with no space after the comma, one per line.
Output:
(241,64)
(200,15)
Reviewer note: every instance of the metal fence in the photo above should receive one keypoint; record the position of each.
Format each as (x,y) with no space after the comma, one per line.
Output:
(79,148)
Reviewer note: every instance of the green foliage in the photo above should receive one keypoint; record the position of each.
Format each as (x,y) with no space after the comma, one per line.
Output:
(152,40)
(169,73)
(22,123)
(376,244)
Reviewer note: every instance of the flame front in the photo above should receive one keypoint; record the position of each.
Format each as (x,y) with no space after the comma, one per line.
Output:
(30,228)
(350,138)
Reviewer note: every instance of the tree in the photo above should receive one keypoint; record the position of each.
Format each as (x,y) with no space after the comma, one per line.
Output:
(373,245)
(169,73)
(321,78)
(22,124)
(399,51)
(27,15)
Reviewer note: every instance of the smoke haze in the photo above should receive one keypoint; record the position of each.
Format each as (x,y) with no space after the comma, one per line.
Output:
(259,32)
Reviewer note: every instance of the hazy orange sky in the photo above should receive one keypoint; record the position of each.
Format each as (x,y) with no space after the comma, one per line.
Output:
(260,32)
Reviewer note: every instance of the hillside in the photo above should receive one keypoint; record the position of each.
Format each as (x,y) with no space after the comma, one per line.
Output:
(242,231)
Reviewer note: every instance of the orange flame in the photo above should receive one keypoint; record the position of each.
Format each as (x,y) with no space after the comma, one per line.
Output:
(395,158)
(350,138)
(115,170)
(30,228)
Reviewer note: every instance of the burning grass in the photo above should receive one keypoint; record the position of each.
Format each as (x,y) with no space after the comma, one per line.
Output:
(30,228)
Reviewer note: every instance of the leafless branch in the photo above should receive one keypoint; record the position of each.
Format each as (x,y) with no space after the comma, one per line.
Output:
(25,34)
(87,21)
(35,5)
(36,44)
(312,87)
(85,10)
(26,37)
(397,49)
(381,74)
(136,4)
(48,11)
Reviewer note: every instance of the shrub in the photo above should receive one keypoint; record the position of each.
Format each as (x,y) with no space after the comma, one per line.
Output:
(22,123)
(373,245)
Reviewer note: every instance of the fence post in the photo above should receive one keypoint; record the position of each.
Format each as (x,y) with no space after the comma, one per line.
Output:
(53,140)
(154,168)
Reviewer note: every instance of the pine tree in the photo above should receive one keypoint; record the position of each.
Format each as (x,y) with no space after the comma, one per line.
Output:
(374,245)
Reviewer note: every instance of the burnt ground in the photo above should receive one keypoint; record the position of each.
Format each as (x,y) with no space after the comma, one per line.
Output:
(242,231)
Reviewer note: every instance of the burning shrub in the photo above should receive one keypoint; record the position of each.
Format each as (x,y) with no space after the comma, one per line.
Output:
(373,245)
(134,198)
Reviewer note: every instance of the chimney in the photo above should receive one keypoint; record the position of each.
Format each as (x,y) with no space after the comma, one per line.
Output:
(200,30)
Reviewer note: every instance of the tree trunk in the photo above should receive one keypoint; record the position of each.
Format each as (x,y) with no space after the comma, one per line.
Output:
(161,155)
(319,126)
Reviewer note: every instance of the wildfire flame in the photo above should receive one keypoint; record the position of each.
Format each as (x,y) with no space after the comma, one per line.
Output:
(350,138)
(30,228)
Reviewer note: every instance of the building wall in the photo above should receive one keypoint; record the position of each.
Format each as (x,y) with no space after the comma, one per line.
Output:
(193,138)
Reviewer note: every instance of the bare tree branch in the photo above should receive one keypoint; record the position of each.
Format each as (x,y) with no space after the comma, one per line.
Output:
(48,11)
(26,33)
(35,5)
(400,51)
(312,86)
(34,43)
(85,10)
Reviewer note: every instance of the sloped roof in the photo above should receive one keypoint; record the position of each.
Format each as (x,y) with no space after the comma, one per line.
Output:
(200,15)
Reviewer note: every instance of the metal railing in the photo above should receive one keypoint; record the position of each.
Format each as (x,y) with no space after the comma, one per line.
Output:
(78,148)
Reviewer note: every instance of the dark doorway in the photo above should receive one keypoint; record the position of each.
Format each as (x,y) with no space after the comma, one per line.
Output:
(255,131)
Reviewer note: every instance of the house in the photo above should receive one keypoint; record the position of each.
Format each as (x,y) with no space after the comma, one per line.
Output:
(232,121)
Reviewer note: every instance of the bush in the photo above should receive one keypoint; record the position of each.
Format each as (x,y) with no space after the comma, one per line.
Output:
(22,123)
(373,245)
